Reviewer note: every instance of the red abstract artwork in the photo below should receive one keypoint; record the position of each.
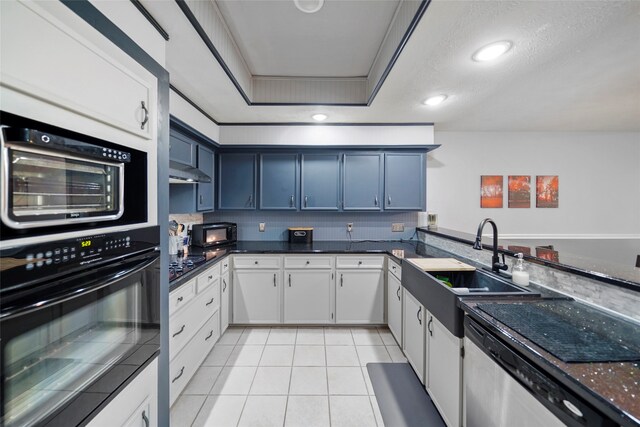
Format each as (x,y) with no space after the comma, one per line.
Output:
(491,191)
(519,191)
(547,191)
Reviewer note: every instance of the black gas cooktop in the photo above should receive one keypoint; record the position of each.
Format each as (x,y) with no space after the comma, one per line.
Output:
(179,266)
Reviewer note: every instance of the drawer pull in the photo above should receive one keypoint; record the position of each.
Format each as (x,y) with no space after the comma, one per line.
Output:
(255,262)
(225,265)
(210,301)
(359,262)
(180,299)
(308,262)
(210,335)
(274,280)
(179,332)
(179,375)
(145,419)
(211,277)
(341,280)
(289,280)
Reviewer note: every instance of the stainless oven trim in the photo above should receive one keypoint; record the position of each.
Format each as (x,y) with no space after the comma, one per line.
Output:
(4,209)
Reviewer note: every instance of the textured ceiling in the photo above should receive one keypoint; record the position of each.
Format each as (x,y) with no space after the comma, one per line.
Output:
(276,39)
(575,65)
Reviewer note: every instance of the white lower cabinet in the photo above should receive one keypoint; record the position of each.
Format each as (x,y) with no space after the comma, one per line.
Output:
(444,371)
(256,296)
(307,296)
(225,301)
(414,333)
(136,405)
(359,296)
(394,302)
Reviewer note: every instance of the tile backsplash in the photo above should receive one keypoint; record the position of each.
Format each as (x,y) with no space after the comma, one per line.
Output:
(326,225)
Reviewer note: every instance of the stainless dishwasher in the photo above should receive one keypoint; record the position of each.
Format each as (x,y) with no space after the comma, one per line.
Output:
(502,388)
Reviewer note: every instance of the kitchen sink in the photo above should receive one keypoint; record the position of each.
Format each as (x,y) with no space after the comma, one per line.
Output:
(463,281)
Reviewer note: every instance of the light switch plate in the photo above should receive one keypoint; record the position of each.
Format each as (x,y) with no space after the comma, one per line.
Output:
(397,227)
(261,227)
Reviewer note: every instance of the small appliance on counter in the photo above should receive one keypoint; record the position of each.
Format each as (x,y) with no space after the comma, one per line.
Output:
(300,234)
(214,234)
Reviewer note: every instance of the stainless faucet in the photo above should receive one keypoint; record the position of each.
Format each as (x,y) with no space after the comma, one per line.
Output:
(496,265)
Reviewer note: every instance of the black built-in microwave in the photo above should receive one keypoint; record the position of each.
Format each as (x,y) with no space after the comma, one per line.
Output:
(214,234)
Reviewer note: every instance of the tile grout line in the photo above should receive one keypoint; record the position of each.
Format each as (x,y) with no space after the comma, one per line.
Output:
(246,398)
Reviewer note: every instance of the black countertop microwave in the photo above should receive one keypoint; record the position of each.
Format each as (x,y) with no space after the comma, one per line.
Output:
(214,234)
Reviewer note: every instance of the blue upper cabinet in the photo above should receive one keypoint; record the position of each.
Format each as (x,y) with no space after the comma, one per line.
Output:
(204,199)
(362,182)
(182,149)
(279,177)
(236,181)
(404,181)
(320,188)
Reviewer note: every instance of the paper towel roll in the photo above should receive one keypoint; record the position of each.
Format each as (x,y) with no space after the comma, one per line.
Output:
(422,219)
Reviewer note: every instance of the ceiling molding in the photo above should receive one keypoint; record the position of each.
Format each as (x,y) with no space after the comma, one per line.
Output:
(208,22)
(151,19)
(193,104)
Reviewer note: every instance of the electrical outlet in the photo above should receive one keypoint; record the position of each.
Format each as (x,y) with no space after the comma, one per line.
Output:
(397,227)
(349,227)
(261,227)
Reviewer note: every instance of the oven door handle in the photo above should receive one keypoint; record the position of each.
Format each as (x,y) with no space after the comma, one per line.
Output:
(75,287)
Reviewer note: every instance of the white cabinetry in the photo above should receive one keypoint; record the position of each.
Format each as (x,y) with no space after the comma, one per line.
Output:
(225,301)
(394,300)
(135,405)
(359,289)
(308,289)
(194,326)
(414,333)
(444,371)
(257,284)
(46,61)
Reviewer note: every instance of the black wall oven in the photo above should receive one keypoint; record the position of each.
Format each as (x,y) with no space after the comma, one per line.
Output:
(79,319)
(56,181)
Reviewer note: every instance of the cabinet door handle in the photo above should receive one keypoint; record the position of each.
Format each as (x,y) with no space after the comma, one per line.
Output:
(429,326)
(180,299)
(289,280)
(179,332)
(210,302)
(389,200)
(375,201)
(210,335)
(274,280)
(179,375)
(291,202)
(341,280)
(224,285)
(201,199)
(306,200)
(418,315)
(211,277)
(146,115)
(145,419)
(398,293)
(250,200)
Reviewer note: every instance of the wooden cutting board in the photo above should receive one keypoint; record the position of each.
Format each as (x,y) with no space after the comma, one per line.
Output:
(440,264)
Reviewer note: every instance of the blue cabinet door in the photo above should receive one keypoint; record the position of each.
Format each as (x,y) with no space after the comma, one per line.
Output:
(182,149)
(320,188)
(404,181)
(362,182)
(279,176)
(237,181)
(204,198)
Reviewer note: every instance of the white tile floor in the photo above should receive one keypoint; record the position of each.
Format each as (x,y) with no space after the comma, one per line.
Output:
(293,377)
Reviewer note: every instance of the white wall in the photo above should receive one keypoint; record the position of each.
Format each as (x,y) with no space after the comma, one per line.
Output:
(599,181)
(318,135)
(184,111)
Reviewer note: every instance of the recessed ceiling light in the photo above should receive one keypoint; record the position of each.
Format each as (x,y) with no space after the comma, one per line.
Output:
(319,117)
(435,100)
(309,6)
(492,51)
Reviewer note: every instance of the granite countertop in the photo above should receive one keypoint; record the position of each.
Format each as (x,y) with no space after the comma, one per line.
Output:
(608,260)
(398,249)
(614,387)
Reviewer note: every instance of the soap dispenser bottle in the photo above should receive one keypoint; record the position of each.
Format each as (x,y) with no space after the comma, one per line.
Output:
(519,275)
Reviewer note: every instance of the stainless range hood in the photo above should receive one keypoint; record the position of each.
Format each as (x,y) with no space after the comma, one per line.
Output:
(182,174)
